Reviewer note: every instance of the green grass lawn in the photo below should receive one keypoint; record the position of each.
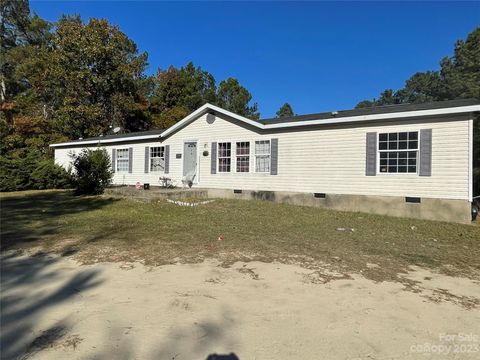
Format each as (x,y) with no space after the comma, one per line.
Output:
(106,229)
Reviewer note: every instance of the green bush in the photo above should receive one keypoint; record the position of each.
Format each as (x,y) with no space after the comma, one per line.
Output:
(92,171)
(48,175)
(28,172)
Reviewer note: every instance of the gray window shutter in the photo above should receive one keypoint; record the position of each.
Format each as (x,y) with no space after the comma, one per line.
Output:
(147,159)
(425,152)
(167,159)
(371,165)
(114,159)
(130,160)
(274,157)
(213,159)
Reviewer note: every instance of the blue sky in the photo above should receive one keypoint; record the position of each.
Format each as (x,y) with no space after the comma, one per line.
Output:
(321,56)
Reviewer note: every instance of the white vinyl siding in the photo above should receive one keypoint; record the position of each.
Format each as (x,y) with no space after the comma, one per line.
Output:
(329,159)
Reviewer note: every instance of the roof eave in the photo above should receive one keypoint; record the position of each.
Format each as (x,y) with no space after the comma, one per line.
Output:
(104,141)
(349,119)
(377,117)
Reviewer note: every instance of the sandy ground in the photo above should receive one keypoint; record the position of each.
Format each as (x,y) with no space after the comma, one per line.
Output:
(54,308)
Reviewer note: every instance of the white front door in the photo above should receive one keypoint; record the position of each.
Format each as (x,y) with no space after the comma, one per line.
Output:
(190,160)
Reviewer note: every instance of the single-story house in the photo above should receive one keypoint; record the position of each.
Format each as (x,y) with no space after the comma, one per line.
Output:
(412,160)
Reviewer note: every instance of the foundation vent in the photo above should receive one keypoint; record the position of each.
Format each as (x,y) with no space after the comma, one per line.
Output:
(320,195)
(413,200)
(237,191)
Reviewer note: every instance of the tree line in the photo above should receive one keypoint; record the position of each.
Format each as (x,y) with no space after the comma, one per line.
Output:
(74,79)
(458,77)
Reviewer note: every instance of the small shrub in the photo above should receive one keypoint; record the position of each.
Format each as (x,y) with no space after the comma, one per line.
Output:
(48,175)
(92,171)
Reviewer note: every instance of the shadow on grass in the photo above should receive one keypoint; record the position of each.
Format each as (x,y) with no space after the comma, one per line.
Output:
(22,303)
(27,217)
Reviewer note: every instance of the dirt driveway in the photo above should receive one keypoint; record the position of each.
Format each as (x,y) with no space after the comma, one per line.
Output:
(54,308)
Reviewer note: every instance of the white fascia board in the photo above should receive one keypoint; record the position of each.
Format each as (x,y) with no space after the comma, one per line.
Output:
(373,117)
(104,141)
(203,109)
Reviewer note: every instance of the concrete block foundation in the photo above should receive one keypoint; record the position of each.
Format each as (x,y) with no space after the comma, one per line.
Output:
(458,211)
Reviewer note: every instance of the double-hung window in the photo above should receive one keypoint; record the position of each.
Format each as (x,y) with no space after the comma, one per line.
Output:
(243,156)
(224,156)
(157,159)
(262,156)
(122,160)
(398,152)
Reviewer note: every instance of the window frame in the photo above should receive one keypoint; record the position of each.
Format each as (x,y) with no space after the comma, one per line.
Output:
(117,159)
(243,156)
(269,155)
(407,150)
(224,157)
(150,158)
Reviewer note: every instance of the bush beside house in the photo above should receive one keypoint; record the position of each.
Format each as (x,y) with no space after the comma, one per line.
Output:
(92,172)
(29,173)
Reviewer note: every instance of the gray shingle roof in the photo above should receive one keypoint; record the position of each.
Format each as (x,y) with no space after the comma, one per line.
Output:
(320,116)
(120,136)
(373,110)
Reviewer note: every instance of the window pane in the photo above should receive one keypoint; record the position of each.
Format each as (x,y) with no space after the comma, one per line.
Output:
(243,148)
(393,155)
(243,163)
(122,159)
(157,158)
(243,156)
(262,163)
(122,154)
(224,157)
(157,164)
(122,165)
(224,165)
(262,147)
(157,151)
